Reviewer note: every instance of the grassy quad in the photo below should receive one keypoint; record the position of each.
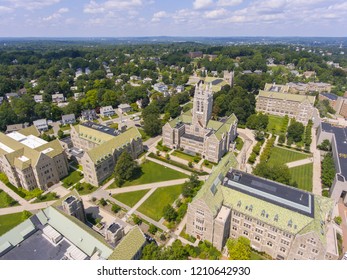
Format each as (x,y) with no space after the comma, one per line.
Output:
(74,177)
(281,155)
(7,222)
(6,200)
(152,172)
(303,176)
(275,124)
(153,206)
(130,198)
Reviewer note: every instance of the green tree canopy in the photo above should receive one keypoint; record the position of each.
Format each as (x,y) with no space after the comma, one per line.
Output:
(125,168)
(239,249)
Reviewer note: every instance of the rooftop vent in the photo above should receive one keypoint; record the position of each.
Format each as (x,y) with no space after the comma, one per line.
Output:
(290,223)
(263,213)
(239,203)
(276,218)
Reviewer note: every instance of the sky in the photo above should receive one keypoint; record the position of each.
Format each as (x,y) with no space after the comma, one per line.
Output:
(132,18)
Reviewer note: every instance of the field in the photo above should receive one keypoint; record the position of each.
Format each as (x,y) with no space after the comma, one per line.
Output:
(130,198)
(152,172)
(6,200)
(184,156)
(280,156)
(275,124)
(9,221)
(153,206)
(303,176)
(72,178)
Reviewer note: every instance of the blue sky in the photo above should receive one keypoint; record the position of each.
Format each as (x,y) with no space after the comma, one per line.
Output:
(114,18)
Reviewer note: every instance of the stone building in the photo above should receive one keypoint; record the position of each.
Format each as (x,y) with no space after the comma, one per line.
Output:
(73,206)
(195,132)
(283,222)
(31,162)
(102,146)
(275,100)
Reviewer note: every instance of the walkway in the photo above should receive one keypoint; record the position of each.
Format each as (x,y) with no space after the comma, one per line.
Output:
(28,207)
(317,183)
(169,166)
(11,193)
(299,162)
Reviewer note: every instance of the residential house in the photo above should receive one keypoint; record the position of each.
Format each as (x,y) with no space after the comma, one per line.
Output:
(107,111)
(124,108)
(58,98)
(38,98)
(88,115)
(41,125)
(68,119)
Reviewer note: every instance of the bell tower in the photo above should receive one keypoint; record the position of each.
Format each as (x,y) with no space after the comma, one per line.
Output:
(202,104)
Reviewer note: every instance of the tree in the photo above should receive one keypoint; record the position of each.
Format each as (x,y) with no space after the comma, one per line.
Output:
(295,131)
(60,134)
(26,215)
(102,202)
(279,172)
(338,220)
(257,121)
(239,249)
(325,145)
(152,125)
(115,208)
(170,213)
(152,229)
(190,188)
(125,168)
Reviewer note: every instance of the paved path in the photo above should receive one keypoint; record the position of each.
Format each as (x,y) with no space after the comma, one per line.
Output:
(299,162)
(142,200)
(28,207)
(11,193)
(249,143)
(317,183)
(169,166)
(146,186)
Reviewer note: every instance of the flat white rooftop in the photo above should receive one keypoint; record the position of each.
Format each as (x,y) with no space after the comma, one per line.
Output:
(30,141)
(5,148)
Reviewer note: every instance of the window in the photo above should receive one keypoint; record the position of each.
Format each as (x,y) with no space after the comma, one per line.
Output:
(282,249)
(257,238)
(315,251)
(235,228)
(285,242)
(245,232)
(269,243)
(303,246)
(258,231)
(271,236)
(300,253)
(247,225)
(236,221)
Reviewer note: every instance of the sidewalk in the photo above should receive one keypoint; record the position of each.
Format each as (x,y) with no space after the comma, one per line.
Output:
(299,162)
(11,193)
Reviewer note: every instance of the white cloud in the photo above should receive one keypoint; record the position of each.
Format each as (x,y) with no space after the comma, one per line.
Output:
(215,14)
(202,4)
(228,3)
(56,15)
(4,9)
(112,5)
(158,16)
(32,5)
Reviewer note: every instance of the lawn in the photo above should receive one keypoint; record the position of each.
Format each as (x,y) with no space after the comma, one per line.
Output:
(239,144)
(153,172)
(130,198)
(303,176)
(256,257)
(153,206)
(74,177)
(9,221)
(145,137)
(84,188)
(114,125)
(6,200)
(185,156)
(46,197)
(281,155)
(275,124)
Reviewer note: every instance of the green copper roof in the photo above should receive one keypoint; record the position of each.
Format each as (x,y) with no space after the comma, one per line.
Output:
(78,233)
(92,135)
(286,96)
(217,83)
(129,245)
(107,148)
(213,199)
(31,130)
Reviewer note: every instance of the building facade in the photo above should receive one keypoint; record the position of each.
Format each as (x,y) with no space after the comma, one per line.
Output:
(275,100)
(195,132)
(284,222)
(31,162)
(103,146)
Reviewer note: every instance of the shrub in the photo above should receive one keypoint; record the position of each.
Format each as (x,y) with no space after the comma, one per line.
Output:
(115,208)
(338,220)
(152,229)
(137,220)
(102,202)
(190,164)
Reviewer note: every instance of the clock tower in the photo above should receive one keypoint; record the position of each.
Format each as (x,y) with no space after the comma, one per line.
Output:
(202,104)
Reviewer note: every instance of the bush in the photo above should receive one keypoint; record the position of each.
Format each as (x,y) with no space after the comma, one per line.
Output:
(167,156)
(152,229)
(252,158)
(102,202)
(115,208)
(338,220)
(137,220)
(190,164)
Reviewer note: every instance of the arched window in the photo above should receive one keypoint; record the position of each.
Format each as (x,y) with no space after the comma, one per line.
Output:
(198,105)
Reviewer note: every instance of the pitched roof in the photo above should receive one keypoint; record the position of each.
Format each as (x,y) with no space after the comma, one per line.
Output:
(129,245)
(286,96)
(115,142)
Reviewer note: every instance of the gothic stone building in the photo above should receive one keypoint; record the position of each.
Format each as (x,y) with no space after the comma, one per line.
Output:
(284,222)
(195,132)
